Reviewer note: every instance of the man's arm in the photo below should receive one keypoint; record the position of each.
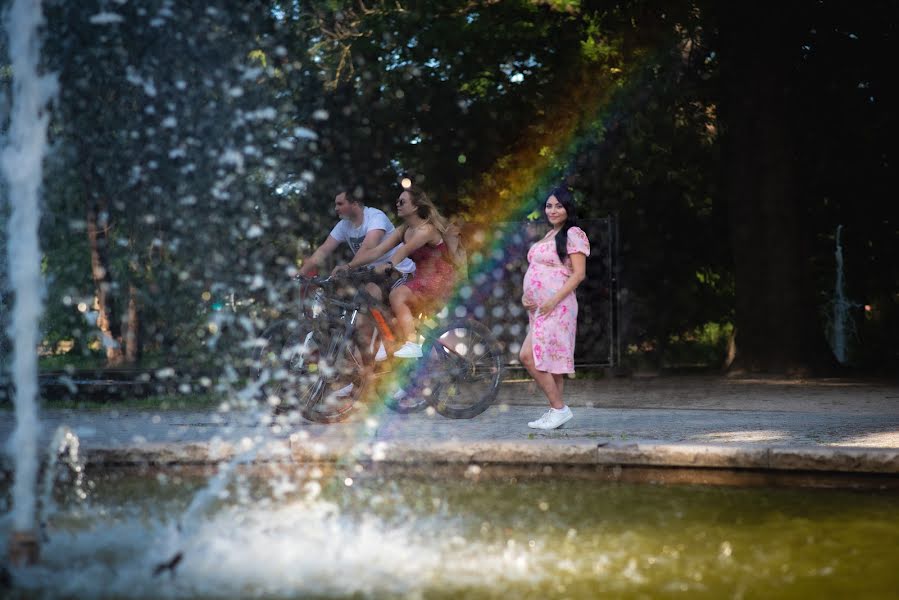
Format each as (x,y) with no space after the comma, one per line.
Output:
(366,256)
(319,256)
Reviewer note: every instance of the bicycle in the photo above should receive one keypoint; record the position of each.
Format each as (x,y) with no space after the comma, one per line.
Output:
(320,364)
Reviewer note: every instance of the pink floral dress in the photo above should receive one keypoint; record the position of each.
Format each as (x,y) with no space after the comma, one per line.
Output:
(552,335)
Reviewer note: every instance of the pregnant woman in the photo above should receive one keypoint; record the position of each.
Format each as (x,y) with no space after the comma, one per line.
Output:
(556,266)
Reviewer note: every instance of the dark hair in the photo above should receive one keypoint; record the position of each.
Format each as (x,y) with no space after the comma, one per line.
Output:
(355,192)
(566,199)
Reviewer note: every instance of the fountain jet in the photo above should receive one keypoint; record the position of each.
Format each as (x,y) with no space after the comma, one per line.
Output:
(21,165)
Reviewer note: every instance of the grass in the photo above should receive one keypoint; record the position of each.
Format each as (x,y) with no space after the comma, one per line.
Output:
(702,349)
(90,362)
(59,362)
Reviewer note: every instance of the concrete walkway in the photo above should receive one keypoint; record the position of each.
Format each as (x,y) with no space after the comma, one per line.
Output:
(820,425)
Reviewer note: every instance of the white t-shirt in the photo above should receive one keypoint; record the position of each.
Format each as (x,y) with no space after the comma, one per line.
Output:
(372,219)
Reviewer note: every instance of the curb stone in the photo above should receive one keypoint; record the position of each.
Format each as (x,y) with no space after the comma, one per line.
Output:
(549,452)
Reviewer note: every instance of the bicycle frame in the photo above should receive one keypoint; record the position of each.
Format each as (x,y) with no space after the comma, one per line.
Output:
(339,320)
(362,302)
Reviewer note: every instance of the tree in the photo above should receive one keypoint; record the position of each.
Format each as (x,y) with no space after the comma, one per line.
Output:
(783,188)
(171,181)
(226,130)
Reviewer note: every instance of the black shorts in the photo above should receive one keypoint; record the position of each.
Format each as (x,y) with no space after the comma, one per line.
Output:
(392,280)
(399,278)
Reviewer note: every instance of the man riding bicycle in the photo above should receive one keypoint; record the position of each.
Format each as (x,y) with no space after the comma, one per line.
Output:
(322,365)
(362,228)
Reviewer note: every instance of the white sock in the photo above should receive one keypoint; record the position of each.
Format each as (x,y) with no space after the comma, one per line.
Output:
(563,409)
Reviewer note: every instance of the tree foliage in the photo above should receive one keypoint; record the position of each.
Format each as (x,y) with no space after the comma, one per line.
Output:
(209,140)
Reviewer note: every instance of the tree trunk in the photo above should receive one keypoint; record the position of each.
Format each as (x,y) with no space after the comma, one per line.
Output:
(107,319)
(132,328)
(776,311)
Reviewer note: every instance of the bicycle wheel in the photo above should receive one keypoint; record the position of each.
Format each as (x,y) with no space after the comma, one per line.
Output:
(406,391)
(310,366)
(463,368)
(272,357)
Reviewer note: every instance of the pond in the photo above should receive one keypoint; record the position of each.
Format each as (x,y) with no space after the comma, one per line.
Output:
(171,169)
(297,533)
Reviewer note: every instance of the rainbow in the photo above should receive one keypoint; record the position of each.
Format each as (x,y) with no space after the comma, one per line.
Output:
(519,183)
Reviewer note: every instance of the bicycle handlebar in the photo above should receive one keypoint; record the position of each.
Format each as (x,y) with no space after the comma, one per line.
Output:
(366,274)
(361,274)
(315,279)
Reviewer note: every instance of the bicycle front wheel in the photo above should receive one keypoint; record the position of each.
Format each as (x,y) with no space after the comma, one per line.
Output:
(463,368)
(312,367)
(339,365)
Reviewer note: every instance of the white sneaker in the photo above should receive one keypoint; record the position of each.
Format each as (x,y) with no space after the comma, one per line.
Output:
(552,419)
(345,391)
(409,350)
(381,355)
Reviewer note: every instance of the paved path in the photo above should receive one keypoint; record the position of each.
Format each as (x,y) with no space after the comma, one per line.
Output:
(703,412)
(669,409)
(707,426)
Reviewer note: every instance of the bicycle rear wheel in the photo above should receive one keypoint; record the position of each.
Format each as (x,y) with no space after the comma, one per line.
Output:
(310,366)
(463,368)
(408,387)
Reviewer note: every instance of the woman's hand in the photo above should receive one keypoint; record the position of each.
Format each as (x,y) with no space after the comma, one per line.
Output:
(383,268)
(527,303)
(546,308)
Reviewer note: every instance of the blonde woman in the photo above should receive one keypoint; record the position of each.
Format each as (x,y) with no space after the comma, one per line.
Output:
(424,237)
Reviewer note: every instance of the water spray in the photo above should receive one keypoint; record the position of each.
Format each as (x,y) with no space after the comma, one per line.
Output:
(842,326)
(21,165)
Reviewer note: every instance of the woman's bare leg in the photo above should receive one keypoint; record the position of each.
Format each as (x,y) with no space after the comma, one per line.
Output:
(560,385)
(401,301)
(546,381)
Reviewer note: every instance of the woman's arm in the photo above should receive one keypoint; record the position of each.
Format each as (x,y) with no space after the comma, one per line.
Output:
(419,238)
(368,255)
(578,274)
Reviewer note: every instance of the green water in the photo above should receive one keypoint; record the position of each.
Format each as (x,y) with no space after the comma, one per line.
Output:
(518,539)
(636,541)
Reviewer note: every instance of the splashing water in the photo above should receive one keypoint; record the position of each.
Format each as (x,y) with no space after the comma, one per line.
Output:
(21,164)
(294,535)
(841,325)
(291,549)
(182,532)
(65,447)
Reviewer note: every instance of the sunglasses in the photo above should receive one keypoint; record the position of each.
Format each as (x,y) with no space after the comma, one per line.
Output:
(401,202)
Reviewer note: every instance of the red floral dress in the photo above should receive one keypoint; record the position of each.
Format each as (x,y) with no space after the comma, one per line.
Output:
(433,277)
(552,335)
